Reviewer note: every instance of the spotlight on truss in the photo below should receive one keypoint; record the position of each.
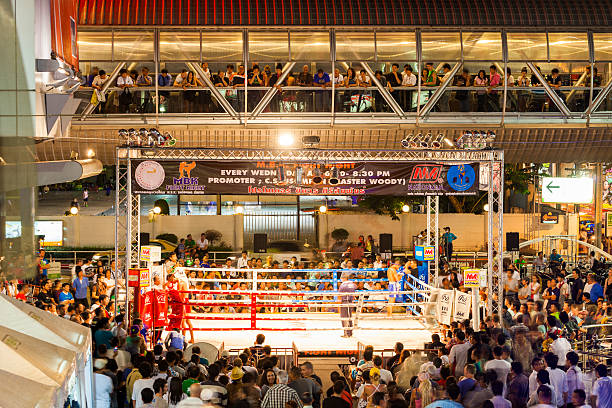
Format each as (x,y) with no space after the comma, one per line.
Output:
(334,178)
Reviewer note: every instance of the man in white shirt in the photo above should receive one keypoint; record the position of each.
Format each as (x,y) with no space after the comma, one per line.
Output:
(385,375)
(575,379)
(536,364)
(243,261)
(458,354)
(145,382)
(178,81)
(558,378)
(125,82)
(601,395)
(202,243)
(103,385)
(560,347)
(499,365)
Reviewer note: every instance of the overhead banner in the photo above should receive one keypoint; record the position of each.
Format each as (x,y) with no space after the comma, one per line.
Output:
(265,177)
(445,306)
(461,309)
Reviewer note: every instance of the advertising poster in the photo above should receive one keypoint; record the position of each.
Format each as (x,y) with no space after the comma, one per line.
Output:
(445,306)
(354,179)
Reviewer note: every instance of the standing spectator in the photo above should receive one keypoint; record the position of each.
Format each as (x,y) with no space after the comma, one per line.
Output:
(601,395)
(97,84)
(146,381)
(523,95)
(558,378)
(336,400)
(573,375)
(459,354)
(80,285)
(144,79)
(494,81)
(385,375)
(322,97)
(468,382)
(593,288)
(256,80)
(379,101)
(103,385)
(447,240)
(408,80)
(85,197)
(481,96)
(125,82)
(302,385)
(518,390)
(463,96)
(164,80)
(304,97)
(498,364)
(398,352)
(273,81)
(443,102)
(338,82)
(279,395)
(498,391)
(394,79)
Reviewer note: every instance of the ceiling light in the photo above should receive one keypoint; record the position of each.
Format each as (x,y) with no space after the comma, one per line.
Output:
(285,139)
(91,154)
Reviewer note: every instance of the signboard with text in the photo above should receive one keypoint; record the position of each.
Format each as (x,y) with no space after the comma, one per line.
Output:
(266,177)
(424,253)
(461,308)
(471,278)
(150,253)
(567,190)
(445,306)
(549,218)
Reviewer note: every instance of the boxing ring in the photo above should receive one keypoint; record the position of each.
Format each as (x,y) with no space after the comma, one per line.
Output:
(254,306)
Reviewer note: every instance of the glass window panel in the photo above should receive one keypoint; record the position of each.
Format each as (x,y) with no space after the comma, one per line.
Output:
(527,46)
(179,45)
(222,46)
(95,45)
(440,46)
(603,46)
(568,46)
(400,46)
(134,45)
(352,46)
(312,46)
(482,46)
(268,46)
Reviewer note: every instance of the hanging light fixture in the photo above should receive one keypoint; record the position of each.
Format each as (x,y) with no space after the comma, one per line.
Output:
(334,178)
(317,178)
(299,173)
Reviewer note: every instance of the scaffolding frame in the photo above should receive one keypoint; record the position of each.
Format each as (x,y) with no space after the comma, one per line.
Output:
(127,204)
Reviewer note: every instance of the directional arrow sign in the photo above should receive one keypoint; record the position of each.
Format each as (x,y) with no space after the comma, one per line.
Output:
(567,190)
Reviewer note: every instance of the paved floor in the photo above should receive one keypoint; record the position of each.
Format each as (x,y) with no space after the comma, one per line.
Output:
(55,203)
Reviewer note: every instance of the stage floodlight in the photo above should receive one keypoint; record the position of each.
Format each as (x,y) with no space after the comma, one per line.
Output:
(323,209)
(317,178)
(299,173)
(74,210)
(486,207)
(311,141)
(334,178)
(157,210)
(91,153)
(405,208)
(285,138)
(280,174)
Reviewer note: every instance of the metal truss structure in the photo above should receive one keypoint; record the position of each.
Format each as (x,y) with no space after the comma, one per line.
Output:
(433,207)
(127,205)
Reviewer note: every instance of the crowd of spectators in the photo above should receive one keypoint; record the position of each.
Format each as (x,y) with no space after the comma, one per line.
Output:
(401,83)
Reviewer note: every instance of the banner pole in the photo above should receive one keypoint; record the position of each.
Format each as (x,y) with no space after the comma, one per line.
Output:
(476,309)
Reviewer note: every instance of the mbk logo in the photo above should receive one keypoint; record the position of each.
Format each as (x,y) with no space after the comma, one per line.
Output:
(185,169)
(426,173)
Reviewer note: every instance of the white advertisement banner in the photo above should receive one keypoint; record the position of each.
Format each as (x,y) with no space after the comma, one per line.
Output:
(445,306)
(463,303)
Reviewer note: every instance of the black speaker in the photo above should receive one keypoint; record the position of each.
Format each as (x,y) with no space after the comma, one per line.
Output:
(386,243)
(512,241)
(260,243)
(144,238)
